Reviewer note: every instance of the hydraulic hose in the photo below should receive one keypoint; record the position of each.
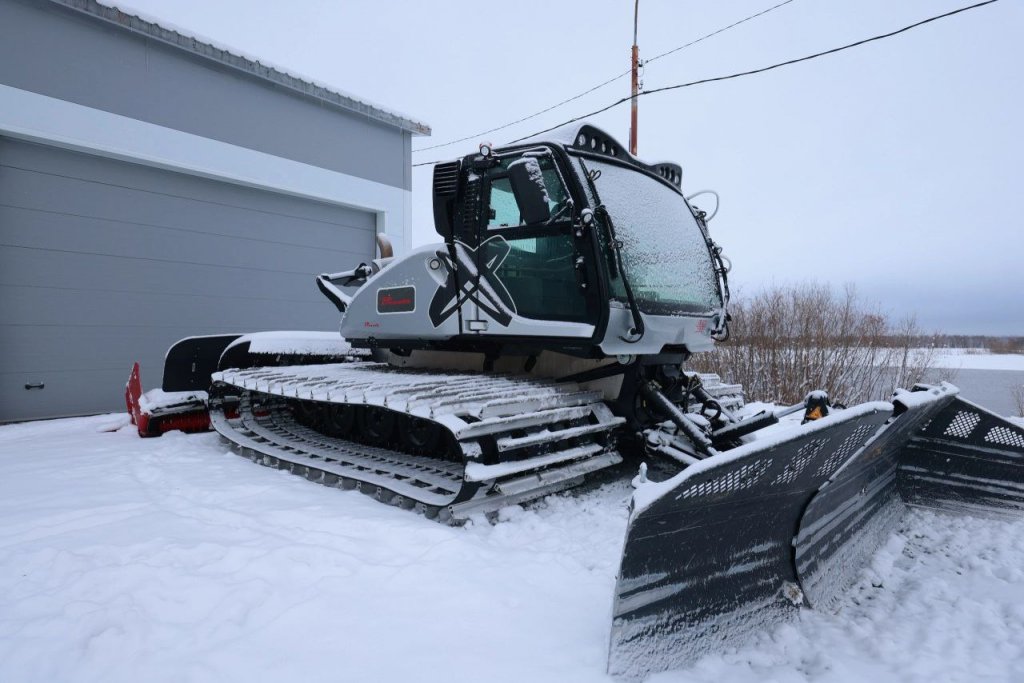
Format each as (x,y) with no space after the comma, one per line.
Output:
(700,440)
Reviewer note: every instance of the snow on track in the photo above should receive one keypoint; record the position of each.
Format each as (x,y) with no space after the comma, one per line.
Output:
(169,559)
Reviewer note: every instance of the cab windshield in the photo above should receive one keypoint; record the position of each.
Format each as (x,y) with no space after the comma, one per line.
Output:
(664,252)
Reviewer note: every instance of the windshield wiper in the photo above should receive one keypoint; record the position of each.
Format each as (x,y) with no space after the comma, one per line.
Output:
(638,320)
(568,206)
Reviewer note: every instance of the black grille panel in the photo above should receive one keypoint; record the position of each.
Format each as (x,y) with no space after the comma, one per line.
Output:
(446,179)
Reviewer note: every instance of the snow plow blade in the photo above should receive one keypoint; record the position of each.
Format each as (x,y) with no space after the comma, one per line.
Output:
(968,459)
(737,543)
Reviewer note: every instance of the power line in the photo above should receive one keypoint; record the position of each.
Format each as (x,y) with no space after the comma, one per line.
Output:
(762,69)
(749,73)
(715,33)
(477,136)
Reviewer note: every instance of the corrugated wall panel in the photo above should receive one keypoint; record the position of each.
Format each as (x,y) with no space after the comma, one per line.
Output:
(104,262)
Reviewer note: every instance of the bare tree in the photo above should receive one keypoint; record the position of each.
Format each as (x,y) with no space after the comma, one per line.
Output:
(787,341)
(1018,398)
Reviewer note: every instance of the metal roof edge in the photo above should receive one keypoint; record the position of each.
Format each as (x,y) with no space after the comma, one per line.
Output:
(223,56)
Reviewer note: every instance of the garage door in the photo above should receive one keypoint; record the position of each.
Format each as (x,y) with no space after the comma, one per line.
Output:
(104,262)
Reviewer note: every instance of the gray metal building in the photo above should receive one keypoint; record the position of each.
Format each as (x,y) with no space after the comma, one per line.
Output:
(154,187)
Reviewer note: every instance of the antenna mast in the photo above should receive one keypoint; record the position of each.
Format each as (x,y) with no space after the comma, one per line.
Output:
(636,68)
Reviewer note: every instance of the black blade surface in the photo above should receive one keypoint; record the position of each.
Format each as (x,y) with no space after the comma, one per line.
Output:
(708,555)
(859,506)
(967,459)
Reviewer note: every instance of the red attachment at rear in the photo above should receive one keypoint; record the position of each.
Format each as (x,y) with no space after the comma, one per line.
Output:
(132,393)
(194,421)
(188,418)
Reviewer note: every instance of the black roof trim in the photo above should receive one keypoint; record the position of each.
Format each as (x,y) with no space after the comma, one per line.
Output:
(588,140)
(595,141)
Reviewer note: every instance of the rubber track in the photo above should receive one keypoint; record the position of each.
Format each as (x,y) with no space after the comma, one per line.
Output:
(528,418)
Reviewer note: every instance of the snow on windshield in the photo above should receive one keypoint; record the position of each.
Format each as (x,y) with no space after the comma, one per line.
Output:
(664,252)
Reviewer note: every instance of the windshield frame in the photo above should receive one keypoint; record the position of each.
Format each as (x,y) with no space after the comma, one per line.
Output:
(616,289)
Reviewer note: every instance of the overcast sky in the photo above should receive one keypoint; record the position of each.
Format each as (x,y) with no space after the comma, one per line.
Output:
(895,166)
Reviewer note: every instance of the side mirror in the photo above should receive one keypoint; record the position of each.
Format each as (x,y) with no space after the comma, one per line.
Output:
(531,193)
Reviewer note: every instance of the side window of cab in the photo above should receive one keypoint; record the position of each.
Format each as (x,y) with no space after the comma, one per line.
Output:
(538,270)
(504,209)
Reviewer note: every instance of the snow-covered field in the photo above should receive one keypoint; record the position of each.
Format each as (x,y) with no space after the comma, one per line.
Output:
(977,359)
(993,380)
(123,559)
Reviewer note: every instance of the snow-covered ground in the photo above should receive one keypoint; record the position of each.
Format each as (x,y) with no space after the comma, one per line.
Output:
(993,380)
(169,559)
(977,359)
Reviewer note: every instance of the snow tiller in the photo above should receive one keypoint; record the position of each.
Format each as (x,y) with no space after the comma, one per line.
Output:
(542,343)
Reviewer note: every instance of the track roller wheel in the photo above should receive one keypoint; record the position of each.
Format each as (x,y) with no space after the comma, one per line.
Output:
(377,425)
(306,412)
(448,448)
(419,436)
(339,419)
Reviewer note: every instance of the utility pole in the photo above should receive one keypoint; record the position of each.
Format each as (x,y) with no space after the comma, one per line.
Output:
(636,81)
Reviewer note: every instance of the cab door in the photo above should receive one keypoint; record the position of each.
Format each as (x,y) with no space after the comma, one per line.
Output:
(532,269)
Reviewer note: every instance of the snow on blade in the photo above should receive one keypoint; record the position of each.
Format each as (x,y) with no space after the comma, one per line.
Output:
(650,492)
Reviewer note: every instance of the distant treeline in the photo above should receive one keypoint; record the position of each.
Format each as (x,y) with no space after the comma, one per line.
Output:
(968,342)
(971,341)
